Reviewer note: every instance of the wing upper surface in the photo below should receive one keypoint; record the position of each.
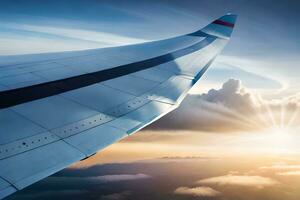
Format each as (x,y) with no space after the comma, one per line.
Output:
(59,108)
(15,73)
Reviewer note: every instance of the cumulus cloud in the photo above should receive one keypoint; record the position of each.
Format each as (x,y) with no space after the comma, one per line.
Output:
(232,95)
(240,180)
(231,108)
(218,110)
(197,191)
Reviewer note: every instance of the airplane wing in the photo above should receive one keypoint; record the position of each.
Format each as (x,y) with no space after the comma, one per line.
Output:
(60,108)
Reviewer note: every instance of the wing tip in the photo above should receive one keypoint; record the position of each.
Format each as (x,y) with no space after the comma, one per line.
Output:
(229,19)
(221,27)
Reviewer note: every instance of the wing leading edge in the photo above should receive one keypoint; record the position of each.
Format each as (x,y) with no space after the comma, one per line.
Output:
(56,109)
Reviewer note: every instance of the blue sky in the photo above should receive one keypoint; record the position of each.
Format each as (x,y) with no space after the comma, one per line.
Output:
(263,52)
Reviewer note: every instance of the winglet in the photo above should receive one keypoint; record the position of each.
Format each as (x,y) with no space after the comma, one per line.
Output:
(221,27)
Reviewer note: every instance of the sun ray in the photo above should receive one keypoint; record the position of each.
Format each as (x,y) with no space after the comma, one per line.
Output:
(258,109)
(282,114)
(293,118)
(271,122)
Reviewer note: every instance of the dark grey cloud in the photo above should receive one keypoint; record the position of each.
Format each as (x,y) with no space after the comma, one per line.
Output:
(231,95)
(116,196)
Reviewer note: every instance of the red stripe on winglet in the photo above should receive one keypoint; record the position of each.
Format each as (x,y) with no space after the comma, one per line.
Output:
(220,22)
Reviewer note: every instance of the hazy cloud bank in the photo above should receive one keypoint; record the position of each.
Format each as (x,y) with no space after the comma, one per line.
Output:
(231,108)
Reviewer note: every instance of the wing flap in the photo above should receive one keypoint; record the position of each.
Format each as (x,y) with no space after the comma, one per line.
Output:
(95,139)
(171,90)
(6,188)
(140,117)
(38,163)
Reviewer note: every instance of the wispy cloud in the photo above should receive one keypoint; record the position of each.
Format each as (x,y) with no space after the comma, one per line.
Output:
(101,179)
(197,191)
(16,44)
(289,173)
(81,34)
(26,38)
(120,177)
(116,196)
(240,180)
(281,167)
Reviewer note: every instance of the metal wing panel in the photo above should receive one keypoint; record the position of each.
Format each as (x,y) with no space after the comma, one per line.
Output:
(140,49)
(6,188)
(26,144)
(15,127)
(85,61)
(153,74)
(98,96)
(18,69)
(124,119)
(150,49)
(56,73)
(171,90)
(131,84)
(21,80)
(54,111)
(3,88)
(95,139)
(38,163)
(140,117)
(191,64)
